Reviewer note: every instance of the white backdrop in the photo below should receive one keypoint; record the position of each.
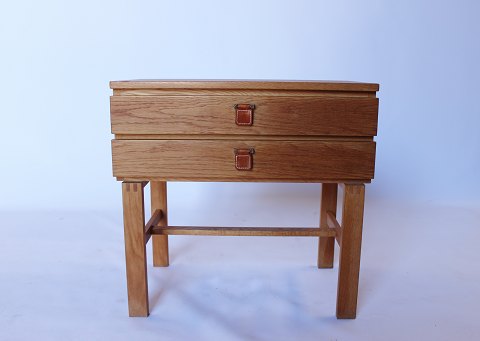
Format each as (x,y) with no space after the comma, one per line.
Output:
(62,256)
(57,58)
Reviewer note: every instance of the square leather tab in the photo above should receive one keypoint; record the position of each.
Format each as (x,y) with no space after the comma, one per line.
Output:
(244,117)
(244,114)
(243,161)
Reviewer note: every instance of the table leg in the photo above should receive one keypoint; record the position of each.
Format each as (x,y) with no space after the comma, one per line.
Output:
(158,191)
(326,245)
(135,253)
(350,246)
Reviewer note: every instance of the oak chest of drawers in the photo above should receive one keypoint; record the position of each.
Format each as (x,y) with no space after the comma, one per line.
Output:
(320,132)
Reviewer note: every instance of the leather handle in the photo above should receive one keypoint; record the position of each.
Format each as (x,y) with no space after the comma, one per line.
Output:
(244,158)
(244,114)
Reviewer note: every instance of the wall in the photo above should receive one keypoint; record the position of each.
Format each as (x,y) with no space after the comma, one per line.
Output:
(57,58)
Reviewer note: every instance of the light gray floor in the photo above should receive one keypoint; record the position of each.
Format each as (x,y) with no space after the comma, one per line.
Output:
(62,277)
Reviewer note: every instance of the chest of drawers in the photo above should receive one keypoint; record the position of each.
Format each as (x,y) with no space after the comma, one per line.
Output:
(255,131)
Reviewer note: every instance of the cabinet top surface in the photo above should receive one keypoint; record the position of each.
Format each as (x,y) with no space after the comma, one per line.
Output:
(244,85)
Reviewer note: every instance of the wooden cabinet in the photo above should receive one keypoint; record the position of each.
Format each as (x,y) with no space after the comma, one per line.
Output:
(275,131)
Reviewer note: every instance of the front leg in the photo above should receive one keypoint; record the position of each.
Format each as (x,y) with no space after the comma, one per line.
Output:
(135,252)
(350,246)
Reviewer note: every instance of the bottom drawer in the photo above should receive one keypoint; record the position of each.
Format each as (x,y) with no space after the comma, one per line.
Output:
(215,160)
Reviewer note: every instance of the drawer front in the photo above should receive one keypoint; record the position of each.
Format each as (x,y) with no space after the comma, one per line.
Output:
(210,160)
(272,115)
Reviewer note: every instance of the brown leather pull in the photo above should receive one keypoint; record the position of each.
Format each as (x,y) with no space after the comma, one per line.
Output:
(244,158)
(244,114)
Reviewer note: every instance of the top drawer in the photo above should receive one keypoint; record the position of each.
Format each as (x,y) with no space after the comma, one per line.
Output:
(273,115)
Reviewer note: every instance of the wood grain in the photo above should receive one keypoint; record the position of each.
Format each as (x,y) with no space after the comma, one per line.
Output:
(216,115)
(243,231)
(244,85)
(158,193)
(230,92)
(349,269)
(326,245)
(295,161)
(136,258)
